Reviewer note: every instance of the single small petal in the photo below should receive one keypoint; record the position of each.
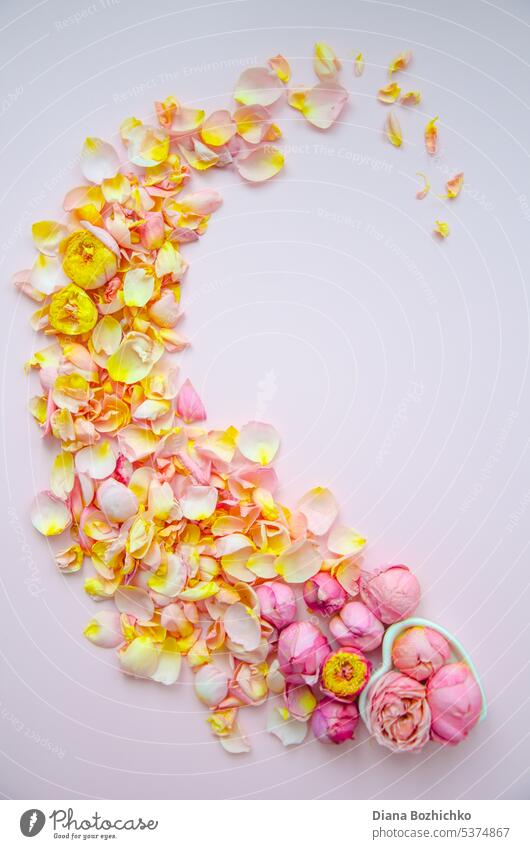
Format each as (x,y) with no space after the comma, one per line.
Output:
(345,541)
(97,461)
(116,500)
(252,122)
(134,358)
(358,66)
(99,160)
(424,191)
(62,475)
(325,63)
(104,629)
(135,602)
(431,136)
(299,562)
(138,287)
(300,700)
(320,509)
(147,145)
(70,559)
(47,274)
(199,502)
(441,229)
(393,130)
(454,185)
(211,685)
(234,742)
(399,62)
(410,98)
(137,443)
(186,119)
(188,405)
(107,335)
(389,93)
(280,66)
(140,657)
(218,128)
(258,85)
(49,515)
(242,626)
(287,729)
(258,442)
(201,202)
(260,163)
(320,105)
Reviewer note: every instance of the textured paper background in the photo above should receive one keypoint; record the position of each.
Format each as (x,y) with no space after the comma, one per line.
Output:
(394,366)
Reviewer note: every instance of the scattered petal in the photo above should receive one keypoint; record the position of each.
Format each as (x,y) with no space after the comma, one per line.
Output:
(400,62)
(325,63)
(358,66)
(169,662)
(188,405)
(299,562)
(258,442)
(47,236)
(260,163)
(454,185)
(287,729)
(389,93)
(140,658)
(410,98)
(320,509)
(49,515)
(218,129)
(134,602)
(242,626)
(321,105)
(104,629)
(280,66)
(393,130)
(99,160)
(199,502)
(258,85)
(424,191)
(345,541)
(97,461)
(431,136)
(441,229)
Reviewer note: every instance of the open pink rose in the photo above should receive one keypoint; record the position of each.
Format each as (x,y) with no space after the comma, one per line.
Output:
(277,603)
(391,592)
(302,648)
(399,715)
(324,594)
(420,651)
(357,626)
(334,722)
(455,701)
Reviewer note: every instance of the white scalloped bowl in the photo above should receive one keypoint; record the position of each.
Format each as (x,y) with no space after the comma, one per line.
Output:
(391,634)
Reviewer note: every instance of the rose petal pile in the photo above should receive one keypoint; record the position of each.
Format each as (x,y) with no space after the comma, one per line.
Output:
(187,545)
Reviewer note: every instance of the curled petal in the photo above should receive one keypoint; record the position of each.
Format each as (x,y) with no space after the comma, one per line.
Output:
(70,560)
(325,63)
(260,163)
(320,509)
(393,130)
(99,160)
(171,577)
(285,727)
(252,122)
(410,98)
(258,442)
(104,629)
(345,541)
(47,236)
(211,685)
(424,191)
(98,461)
(454,185)
(280,66)
(200,592)
(399,62)
(347,574)
(431,136)
(441,229)
(49,515)
(234,742)
(299,562)
(389,93)
(188,404)
(258,85)
(147,145)
(199,502)
(358,66)
(202,202)
(134,358)
(321,105)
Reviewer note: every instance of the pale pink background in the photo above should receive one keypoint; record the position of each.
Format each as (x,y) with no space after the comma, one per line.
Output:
(394,366)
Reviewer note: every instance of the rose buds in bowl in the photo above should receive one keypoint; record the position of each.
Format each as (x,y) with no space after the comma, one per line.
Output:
(420,651)
(455,701)
(398,712)
(345,672)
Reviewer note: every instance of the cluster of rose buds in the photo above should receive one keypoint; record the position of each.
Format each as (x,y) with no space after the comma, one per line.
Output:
(190,553)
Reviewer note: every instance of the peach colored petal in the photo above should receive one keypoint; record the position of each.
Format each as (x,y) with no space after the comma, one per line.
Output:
(62,475)
(258,442)
(424,191)
(104,629)
(258,85)
(140,658)
(187,120)
(218,128)
(242,626)
(410,98)
(260,163)
(358,66)
(116,188)
(299,562)
(116,500)
(393,130)
(320,105)
(107,335)
(400,62)
(431,136)
(70,559)
(138,287)
(199,502)
(147,145)
(135,602)
(136,442)
(325,63)
(211,685)
(345,541)
(134,358)
(441,229)
(389,93)
(454,185)
(320,509)
(347,574)
(169,662)
(280,66)
(99,160)
(252,122)
(49,515)
(98,461)
(202,202)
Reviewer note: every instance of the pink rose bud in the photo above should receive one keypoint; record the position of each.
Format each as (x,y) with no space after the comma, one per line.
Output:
(357,626)
(277,603)
(455,701)
(345,672)
(398,712)
(419,652)
(302,649)
(334,722)
(391,592)
(324,594)
(189,406)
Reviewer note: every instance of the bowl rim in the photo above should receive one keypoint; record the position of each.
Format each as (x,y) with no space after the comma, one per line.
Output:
(391,634)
